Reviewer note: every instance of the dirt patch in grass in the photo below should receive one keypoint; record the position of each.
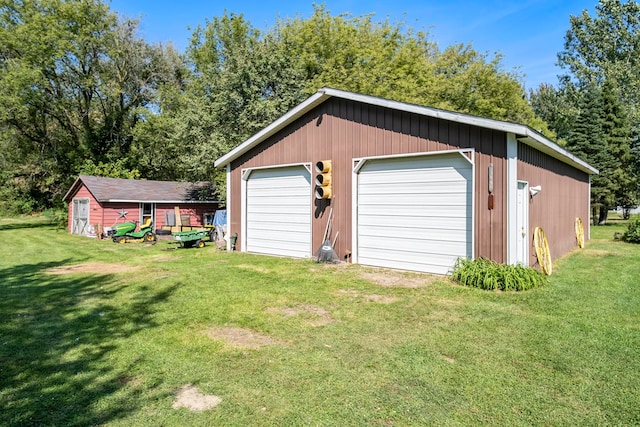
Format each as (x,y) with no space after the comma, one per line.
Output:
(93,268)
(191,398)
(382,299)
(314,315)
(130,381)
(164,258)
(255,268)
(596,252)
(448,359)
(240,338)
(390,278)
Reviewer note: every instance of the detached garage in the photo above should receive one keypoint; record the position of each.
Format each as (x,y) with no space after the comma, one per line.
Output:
(411,187)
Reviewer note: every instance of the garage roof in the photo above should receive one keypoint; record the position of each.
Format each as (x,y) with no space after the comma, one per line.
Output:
(143,191)
(524,133)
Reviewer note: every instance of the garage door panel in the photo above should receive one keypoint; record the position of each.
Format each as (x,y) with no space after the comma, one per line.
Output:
(430,221)
(436,263)
(391,190)
(442,161)
(278,211)
(275,212)
(269,191)
(416,201)
(426,247)
(411,257)
(290,236)
(411,176)
(415,213)
(274,218)
(425,212)
(278,227)
(413,233)
(293,250)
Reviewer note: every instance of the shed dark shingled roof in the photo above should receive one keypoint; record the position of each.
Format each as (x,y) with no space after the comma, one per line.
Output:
(133,190)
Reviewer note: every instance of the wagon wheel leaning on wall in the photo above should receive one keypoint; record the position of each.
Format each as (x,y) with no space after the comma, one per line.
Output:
(579,232)
(542,251)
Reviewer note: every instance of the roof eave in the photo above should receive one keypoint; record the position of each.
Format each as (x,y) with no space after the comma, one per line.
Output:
(540,143)
(184,202)
(73,189)
(297,112)
(525,133)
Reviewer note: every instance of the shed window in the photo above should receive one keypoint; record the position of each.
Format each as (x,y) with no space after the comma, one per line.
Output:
(147,211)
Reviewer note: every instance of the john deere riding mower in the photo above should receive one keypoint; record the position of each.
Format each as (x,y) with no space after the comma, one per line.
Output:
(126,232)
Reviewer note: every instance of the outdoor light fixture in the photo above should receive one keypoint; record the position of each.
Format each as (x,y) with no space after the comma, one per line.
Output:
(535,190)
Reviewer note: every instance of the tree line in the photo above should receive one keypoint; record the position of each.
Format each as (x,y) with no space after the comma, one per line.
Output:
(82,93)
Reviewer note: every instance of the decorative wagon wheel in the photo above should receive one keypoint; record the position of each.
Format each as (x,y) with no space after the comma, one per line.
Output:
(542,251)
(579,232)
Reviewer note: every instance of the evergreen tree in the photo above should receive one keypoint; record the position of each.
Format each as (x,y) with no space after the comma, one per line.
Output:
(617,132)
(587,141)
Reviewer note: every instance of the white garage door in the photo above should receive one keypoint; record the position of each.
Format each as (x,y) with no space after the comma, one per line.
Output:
(278,212)
(415,213)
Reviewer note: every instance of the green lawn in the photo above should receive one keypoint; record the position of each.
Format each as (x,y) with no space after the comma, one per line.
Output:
(118,330)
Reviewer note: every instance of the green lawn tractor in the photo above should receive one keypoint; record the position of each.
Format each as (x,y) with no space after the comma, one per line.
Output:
(126,232)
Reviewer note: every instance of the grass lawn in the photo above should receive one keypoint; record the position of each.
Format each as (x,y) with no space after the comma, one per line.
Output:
(95,333)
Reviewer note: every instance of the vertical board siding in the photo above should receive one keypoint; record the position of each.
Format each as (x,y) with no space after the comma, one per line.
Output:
(341,130)
(564,196)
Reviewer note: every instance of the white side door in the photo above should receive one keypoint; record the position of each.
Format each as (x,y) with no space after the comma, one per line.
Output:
(522,223)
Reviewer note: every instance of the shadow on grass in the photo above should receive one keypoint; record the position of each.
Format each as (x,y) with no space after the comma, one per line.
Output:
(57,334)
(27,225)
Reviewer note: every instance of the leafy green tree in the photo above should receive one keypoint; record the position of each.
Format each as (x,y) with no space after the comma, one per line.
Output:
(606,46)
(557,107)
(72,76)
(392,61)
(238,83)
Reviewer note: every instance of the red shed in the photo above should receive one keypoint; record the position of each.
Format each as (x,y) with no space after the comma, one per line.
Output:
(103,202)
(409,187)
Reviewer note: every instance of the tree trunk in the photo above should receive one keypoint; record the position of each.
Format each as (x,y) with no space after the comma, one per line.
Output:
(604,212)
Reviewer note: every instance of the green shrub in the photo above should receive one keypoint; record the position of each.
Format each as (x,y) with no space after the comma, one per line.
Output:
(57,216)
(632,235)
(486,274)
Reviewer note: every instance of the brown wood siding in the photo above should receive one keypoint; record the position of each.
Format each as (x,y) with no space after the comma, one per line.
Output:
(343,130)
(564,196)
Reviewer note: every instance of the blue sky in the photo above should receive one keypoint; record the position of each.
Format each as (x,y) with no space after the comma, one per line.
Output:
(528,33)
